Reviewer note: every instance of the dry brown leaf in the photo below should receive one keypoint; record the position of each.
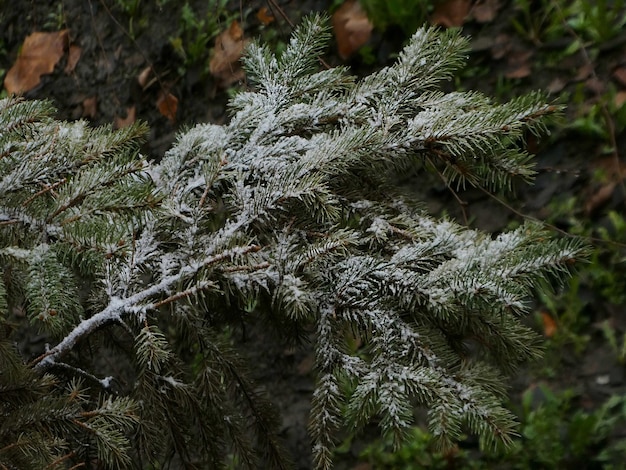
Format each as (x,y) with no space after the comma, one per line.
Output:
(485,11)
(620,99)
(615,172)
(90,107)
(168,105)
(556,85)
(595,85)
(264,17)
(306,365)
(549,324)
(451,13)
(599,198)
(143,79)
(584,72)
(131,117)
(352,28)
(40,53)
(519,71)
(73,57)
(518,64)
(362,466)
(224,64)
(619,74)
(501,46)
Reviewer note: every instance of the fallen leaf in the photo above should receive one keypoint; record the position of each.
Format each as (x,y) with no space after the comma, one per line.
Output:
(584,72)
(90,107)
(615,172)
(501,46)
(519,71)
(264,17)
(352,28)
(485,11)
(131,117)
(600,197)
(362,466)
(619,74)
(143,79)
(556,85)
(224,64)
(620,99)
(595,85)
(451,13)
(518,64)
(168,105)
(39,55)
(306,365)
(549,324)
(73,57)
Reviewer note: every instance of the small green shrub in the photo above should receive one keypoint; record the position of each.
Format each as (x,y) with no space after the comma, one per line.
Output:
(407,14)
(197,29)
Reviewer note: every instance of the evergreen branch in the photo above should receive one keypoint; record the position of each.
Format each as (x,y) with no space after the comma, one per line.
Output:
(104,383)
(117,306)
(203,285)
(289,213)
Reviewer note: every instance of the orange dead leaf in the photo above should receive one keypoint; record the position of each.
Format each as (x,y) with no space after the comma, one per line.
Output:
(168,105)
(485,11)
(90,107)
(40,53)
(549,324)
(228,49)
(264,17)
(451,13)
(131,117)
(72,58)
(352,28)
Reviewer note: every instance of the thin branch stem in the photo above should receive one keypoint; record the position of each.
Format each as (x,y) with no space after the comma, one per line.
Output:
(117,306)
(460,201)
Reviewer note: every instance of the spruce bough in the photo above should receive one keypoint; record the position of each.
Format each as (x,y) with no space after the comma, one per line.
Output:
(287,213)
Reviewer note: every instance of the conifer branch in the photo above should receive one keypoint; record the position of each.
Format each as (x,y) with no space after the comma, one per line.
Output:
(288,213)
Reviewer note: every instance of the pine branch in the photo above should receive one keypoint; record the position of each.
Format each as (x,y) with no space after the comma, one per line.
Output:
(288,213)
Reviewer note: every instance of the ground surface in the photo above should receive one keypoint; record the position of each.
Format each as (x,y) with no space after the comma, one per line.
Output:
(103,87)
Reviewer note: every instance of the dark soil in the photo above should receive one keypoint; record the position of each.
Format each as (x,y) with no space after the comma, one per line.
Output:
(112,59)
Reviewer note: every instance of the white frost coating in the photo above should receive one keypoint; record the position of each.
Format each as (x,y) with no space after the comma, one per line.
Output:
(106,382)
(15,252)
(118,306)
(11,214)
(379,227)
(111,313)
(172,381)
(74,132)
